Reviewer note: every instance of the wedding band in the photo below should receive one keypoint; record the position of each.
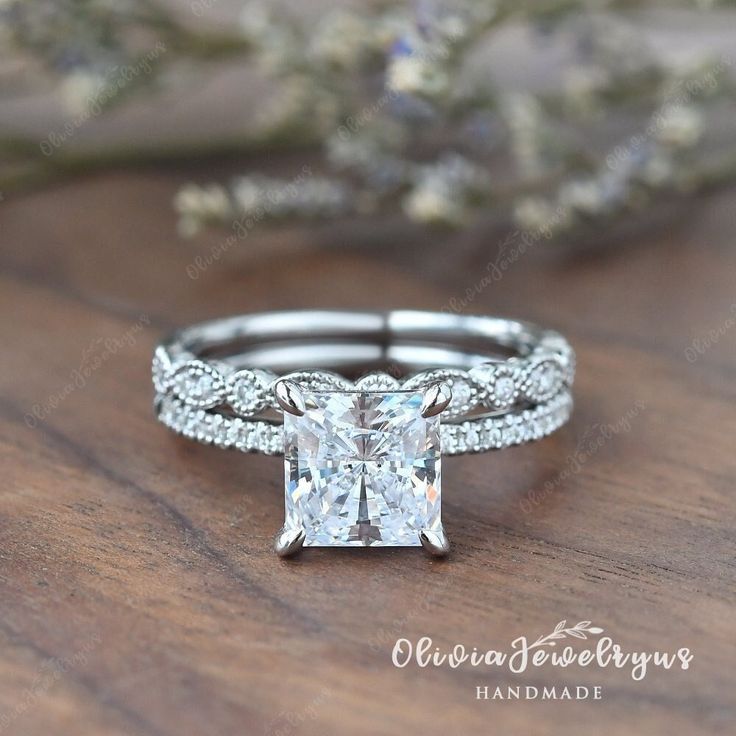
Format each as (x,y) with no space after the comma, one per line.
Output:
(361,404)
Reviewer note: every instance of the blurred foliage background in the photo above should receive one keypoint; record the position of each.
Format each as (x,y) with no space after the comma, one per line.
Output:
(562,114)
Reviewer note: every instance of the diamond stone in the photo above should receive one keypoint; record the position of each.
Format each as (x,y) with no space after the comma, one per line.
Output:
(248,391)
(543,380)
(504,389)
(362,468)
(198,384)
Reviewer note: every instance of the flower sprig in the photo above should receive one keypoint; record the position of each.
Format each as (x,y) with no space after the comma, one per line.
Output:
(406,118)
(579,631)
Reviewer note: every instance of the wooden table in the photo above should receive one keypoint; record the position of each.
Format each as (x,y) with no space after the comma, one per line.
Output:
(139,591)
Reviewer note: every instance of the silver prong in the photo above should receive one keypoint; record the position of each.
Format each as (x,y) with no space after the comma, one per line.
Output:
(435,542)
(436,398)
(289,396)
(289,541)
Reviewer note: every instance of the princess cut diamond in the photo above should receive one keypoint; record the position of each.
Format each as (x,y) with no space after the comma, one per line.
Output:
(362,468)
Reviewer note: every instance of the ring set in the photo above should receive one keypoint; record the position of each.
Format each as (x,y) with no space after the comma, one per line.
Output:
(362,405)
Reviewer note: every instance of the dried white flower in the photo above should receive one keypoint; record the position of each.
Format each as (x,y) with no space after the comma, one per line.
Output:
(277,44)
(679,126)
(658,170)
(255,21)
(197,205)
(79,90)
(444,189)
(534,214)
(432,204)
(582,196)
(416,75)
(523,115)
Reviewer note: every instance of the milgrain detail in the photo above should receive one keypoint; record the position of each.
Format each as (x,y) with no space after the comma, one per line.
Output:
(543,374)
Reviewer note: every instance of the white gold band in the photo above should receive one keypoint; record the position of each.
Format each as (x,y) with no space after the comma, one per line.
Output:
(478,435)
(510,380)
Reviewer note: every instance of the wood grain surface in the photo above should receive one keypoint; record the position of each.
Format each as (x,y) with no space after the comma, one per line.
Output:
(139,593)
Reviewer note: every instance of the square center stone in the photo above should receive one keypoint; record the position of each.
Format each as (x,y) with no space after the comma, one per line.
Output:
(362,468)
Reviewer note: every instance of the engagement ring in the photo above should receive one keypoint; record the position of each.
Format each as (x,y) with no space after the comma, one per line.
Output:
(362,404)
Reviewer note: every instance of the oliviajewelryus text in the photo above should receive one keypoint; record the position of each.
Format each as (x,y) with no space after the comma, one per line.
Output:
(523,653)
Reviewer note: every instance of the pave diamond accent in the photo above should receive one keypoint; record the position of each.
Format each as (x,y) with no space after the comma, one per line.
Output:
(501,384)
(198,384)
(543,379)
(378,381)
(362,457)
(362,468)
(248,391)
(473,435)
(536,377)
(465,391)
(161,370)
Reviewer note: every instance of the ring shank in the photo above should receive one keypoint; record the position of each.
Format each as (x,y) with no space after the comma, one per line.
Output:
(510,380)
(295,340)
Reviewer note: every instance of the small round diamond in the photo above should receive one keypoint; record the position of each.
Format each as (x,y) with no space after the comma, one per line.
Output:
(198,384)
(161,370)
(504,389)
(377,382)
(483,373)
(464,388)
(492,432)
(543,380)
(472,438)
(500,384)
(248,391)
(462,394)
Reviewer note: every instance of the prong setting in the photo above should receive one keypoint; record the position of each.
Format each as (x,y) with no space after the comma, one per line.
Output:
(437,398)
(289,541)
(289,396)
(435,542)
